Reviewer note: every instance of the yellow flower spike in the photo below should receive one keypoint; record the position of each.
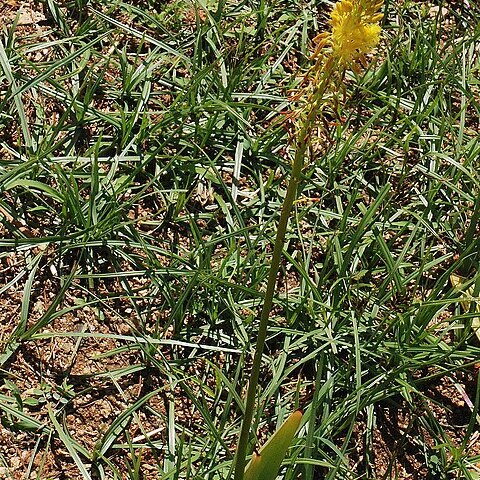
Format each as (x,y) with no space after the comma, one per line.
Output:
(355,28)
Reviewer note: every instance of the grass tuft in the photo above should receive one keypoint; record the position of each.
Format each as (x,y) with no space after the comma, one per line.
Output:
(143,164)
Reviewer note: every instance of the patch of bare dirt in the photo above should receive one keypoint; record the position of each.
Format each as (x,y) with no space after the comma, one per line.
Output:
(400,444)
(26,14)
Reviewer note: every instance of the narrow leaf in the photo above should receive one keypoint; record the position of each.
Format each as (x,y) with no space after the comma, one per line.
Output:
(266,464)
(457,282)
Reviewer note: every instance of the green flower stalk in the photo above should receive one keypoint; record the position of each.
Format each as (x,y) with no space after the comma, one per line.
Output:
(354,32)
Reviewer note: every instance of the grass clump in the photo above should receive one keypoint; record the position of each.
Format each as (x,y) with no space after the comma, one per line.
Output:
(143,167)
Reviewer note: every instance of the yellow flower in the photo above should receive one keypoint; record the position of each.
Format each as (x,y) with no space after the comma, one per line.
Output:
(355,28)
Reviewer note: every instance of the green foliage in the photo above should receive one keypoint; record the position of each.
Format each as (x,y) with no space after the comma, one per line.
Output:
(143,164)
(265,464)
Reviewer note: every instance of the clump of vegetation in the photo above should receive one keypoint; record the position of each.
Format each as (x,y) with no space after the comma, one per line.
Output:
(355,31)
(146,152)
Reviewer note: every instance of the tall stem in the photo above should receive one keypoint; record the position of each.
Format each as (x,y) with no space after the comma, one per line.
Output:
(267,306)
(303,141)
